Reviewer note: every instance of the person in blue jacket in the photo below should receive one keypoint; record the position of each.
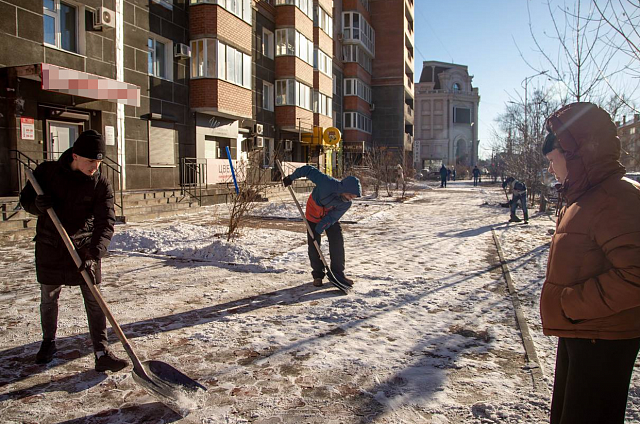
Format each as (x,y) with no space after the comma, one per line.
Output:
(328,201)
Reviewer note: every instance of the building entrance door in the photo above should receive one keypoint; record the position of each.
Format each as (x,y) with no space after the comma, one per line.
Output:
(62,135)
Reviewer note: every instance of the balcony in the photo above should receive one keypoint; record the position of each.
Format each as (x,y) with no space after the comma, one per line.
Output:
(408,114)
(408,142)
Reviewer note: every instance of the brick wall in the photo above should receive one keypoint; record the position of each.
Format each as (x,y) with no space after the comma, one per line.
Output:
(215,94)
(355,103)
(213,21)
(353,70)
(323,83)
(292,66)
(291,16)
(287,116)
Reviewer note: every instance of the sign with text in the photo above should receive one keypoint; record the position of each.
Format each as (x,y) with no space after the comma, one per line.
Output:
(27,129)
(219,171)
(110,135)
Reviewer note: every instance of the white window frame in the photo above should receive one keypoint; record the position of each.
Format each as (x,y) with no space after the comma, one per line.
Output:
(268,92)
(80,26)
(291,42)
(322,62)
(240,8)
(357,121)
(306,6)
(220,61)
(290,92)
(363,33)
(168,55)
(355,53)
(357,87)
(322,104)
(268,43)
(323,20)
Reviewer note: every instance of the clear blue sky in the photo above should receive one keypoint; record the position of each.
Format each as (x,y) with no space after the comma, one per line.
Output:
(481,34)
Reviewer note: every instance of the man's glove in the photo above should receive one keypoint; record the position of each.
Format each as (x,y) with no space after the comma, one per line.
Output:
(43,202)
(287,181)
(89,264)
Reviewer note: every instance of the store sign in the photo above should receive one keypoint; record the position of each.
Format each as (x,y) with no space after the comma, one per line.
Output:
(27,129)
(353,146)
(219,171)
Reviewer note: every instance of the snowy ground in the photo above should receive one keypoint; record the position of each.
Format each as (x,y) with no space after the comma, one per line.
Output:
(428,335)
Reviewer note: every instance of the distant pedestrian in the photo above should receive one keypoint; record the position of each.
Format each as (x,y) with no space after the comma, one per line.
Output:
(399,177)
(476,175)
(449,174)
(518,196)
(591,296)
(443,176)
(453,174)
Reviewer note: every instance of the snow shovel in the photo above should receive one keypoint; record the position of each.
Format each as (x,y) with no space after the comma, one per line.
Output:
(344,287)
(161,380)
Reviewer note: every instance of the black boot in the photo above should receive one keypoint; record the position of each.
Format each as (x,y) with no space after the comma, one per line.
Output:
(107,361)
(514,218)
(46,352)
(526,218)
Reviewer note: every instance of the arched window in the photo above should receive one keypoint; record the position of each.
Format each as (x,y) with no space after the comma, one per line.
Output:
(456,87)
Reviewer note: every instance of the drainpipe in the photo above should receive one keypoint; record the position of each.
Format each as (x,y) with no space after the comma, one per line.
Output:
(120,77)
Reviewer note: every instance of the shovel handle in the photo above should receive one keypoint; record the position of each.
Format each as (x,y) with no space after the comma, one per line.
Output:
(137,365)
(304,218)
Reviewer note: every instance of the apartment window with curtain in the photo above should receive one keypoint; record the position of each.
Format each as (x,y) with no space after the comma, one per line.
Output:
(290,92)
(322,20)
(212,59)
(290,42)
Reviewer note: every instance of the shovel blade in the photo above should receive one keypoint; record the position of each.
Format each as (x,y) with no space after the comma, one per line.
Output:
(173,388)
(342,285)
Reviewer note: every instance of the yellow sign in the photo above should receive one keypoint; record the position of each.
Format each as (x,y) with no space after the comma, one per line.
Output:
(331,136)
(312,138)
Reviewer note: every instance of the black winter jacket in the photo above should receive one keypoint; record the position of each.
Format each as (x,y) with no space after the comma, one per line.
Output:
(85,207)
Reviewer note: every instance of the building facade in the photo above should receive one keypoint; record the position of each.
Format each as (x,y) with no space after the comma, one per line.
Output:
(446,117)
(629,133)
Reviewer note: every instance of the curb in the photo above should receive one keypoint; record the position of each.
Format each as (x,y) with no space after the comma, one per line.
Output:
(529,347)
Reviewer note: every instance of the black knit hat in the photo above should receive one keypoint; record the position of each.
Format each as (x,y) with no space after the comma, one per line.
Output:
(91,145)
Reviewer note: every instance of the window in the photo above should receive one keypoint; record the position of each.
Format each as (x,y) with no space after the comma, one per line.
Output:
(456,87)
(267,96)
(461,115)
(267,43)
(322,103)
(290,42)
(166,3)
(162,151)
(212,59)
(322,62)
(356,28)
(240,8)
(160,60)
(305,5)
(323,20)
(632,130)
(62,24)
(357,121)
(354,53)
(355,87)
(335,84)
(290,92)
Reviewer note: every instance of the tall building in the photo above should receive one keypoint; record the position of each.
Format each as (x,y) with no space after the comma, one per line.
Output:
(446,117)
(629,133)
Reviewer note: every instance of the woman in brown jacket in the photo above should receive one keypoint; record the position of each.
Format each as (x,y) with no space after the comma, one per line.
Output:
(591,295)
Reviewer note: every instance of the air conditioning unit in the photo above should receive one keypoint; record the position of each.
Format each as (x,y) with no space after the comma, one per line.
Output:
(288,145)
(372,107)
(259,129)
(104,18)
(259,142)
(182,51)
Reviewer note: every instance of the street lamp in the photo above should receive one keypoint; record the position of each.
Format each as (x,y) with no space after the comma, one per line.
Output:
(526,107)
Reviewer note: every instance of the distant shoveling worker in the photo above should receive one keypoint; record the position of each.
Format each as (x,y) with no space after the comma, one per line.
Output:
(82,198)
(329,200)
(590,299)
(518,196)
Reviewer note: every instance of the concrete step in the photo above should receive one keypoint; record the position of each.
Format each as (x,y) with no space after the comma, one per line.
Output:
(144,216)
(129,196)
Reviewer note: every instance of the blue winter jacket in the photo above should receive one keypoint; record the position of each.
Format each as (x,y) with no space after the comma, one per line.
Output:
(327,194)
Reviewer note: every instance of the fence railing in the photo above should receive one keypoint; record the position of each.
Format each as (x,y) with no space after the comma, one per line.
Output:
(109,168)
(193,177)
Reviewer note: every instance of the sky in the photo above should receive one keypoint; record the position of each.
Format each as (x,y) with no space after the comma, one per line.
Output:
(484,35)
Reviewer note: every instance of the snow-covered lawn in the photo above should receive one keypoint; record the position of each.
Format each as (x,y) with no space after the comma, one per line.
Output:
(428,335)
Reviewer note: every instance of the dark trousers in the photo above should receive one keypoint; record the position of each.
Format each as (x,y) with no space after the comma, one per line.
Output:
(49,295)
(592,380)
(443,181)
(475,181)
(336,250)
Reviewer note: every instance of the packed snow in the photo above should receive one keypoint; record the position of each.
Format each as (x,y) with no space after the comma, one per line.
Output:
(428,334)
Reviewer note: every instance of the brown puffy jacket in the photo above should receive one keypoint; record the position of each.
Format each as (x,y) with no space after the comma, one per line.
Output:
(592,287)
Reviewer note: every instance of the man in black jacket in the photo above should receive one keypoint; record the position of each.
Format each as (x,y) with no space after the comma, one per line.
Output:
(519,196)
(83,200)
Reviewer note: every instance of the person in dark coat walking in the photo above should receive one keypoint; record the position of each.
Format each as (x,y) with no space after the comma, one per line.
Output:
(329,200)
(443,176)
(590,299)
(83,200)
(476,175)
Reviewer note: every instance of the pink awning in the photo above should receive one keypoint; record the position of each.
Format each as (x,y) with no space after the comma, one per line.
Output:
(76,83)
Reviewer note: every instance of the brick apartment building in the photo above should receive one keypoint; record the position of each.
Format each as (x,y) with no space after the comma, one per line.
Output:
(629,133)
(256,77)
